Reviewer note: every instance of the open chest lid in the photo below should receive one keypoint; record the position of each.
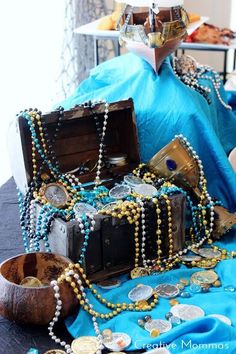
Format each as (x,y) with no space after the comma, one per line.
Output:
(78,141)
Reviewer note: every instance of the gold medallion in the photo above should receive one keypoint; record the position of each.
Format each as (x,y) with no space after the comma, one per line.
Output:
(139,272)
(31,282)
(55,194)
(85,345)
(207,277)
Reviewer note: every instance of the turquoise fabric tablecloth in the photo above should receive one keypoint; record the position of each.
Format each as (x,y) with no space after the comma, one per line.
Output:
(164,107)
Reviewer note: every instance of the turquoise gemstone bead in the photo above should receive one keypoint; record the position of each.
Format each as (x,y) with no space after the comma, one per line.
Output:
(175,321)
(230,289)
(168,315)
(185,294)
(194,288)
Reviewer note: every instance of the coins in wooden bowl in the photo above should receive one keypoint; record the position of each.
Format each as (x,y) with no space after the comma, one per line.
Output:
(31,282)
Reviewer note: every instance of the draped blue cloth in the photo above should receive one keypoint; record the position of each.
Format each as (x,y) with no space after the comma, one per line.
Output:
(164,107)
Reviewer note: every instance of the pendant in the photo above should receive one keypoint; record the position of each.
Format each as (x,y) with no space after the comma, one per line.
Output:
(55,194)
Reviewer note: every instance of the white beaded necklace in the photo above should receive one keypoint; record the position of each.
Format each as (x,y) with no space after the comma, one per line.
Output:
(57,340)
(189,71)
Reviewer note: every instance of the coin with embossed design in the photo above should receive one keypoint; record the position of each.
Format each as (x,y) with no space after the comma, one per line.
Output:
(167,290)
(187,312)
(204,277)
(85,345)
(162,325)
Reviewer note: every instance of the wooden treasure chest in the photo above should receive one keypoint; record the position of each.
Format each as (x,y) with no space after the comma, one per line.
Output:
(111,247)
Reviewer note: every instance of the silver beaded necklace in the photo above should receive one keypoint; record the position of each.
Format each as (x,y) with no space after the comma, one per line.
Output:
(191,73)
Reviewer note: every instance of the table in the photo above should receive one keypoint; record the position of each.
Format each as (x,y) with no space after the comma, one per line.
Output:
(212,48)
(90,29)
(15,339)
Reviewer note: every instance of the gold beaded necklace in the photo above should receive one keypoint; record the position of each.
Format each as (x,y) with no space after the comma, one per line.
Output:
(116,308)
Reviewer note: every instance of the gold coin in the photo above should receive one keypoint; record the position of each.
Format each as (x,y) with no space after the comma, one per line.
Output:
(55,351)
(31,282)
(204,277)
(85,345)
(139,272)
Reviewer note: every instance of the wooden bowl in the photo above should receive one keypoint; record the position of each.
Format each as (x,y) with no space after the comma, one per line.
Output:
(33,305)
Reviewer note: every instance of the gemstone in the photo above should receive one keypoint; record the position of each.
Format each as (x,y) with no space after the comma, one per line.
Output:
(205,289)
(229,288)
(185,294)
(180,286)
(184,281)
(168,315)
(195,288)
(141,323)
(171,165)
(175,321)
(147,318)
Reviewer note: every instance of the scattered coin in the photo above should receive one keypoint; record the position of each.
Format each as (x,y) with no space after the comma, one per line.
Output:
(132,181)
(139,272)
(190,258)
(111,206)
(120,191)
(142,292)
(167,290)
(204,277)
(85,345)
(209,253)
(161,325)
(31,282)
(109,284)
(147,190)
(187,312)
(81,209)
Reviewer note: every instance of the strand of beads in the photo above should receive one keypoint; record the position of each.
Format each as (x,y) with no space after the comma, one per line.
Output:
(216,82)
(202,184)
(80,294)
(191,73)
(101,147)
(143,222)
(131,211)
(86,225)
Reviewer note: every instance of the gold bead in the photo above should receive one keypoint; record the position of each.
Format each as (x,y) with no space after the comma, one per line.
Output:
(154,333)
(173,302)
